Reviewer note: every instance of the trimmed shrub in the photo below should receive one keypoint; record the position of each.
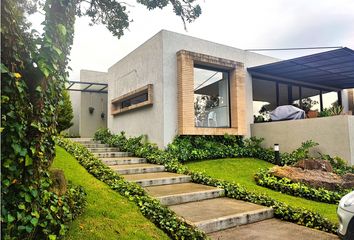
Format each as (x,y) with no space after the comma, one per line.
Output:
(285,185)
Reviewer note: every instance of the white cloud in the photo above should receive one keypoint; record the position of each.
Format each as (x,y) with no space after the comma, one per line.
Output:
(242,24)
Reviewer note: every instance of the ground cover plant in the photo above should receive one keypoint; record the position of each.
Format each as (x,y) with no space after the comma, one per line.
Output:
(151,208)
(108,215)
(285,185)
(284,211)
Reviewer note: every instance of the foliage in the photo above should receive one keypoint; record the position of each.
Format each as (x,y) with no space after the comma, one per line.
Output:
(34,69)
(171,163)
(160,215)
(190,148)
(65,113)
(307,104)
(332,111)
(339,165)
(285,185)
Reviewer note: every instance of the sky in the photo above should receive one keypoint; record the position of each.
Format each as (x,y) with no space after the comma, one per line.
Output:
(246,24)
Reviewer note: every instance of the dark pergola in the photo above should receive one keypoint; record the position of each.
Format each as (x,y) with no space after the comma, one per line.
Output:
(327,71)
(89,87)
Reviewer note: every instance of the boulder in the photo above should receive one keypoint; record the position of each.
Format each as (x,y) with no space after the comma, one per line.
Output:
(314,178)
(348,180)
(59,184)
(314,164)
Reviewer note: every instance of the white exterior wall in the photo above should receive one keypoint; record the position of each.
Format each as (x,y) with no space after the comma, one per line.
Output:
(172,43)
(89,123)
(141,67)
(335,135)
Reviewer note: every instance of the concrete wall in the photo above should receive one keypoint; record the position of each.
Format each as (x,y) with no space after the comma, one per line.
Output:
(141,67)
(172,43)
(89,123)
(335,135)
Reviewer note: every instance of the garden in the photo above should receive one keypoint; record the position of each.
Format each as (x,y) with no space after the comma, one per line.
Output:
(241,177)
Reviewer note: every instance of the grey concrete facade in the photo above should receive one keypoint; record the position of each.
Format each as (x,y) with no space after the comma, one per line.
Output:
(89,123)
(155,62)
(335,135)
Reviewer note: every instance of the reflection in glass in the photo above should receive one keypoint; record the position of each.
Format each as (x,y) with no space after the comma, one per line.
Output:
(211,98)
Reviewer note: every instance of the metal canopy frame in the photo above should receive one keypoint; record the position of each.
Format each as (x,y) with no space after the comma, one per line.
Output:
(332,70)
(91,87)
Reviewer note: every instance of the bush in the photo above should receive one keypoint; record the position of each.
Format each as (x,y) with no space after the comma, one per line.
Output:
(49,219)
(171,163)
(285,185)
(102,134)
(65,113)
(190,148)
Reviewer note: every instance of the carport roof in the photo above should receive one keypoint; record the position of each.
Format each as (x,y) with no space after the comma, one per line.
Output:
(332,69)
(91,87)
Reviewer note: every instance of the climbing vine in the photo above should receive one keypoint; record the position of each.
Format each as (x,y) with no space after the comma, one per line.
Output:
(34,69)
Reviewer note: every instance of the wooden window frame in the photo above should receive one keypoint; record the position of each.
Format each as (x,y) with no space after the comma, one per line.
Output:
(186,61)
(116,103)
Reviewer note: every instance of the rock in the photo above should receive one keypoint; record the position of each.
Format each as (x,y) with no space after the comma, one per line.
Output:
(314,164)
(348,180)
(314,178)
(59,185)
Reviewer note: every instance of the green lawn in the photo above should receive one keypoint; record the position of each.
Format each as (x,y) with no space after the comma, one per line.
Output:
(108,215)
(242,170)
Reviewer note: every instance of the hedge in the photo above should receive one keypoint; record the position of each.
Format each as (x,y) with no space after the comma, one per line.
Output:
(151,208)
(285,185)
(236,191)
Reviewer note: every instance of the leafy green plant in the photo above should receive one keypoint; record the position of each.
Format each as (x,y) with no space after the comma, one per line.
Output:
(190,148)
(65,115)
(285,185)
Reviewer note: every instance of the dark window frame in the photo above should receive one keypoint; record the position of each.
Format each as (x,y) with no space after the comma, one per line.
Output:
(219,69)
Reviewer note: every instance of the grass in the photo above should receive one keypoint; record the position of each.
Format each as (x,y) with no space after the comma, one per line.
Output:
(242,170)
(108,215)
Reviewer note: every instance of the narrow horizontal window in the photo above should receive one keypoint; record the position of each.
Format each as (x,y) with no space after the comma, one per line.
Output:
(135,99)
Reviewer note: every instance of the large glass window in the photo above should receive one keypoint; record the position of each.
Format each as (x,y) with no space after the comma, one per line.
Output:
(211,98)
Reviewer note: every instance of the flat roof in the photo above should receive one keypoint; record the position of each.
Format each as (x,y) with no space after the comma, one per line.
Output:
(333,69)
(91,87)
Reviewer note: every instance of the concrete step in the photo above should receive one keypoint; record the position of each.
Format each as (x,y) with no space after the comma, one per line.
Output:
(272,229)
(95,145)
(159,178)
(138,168)
(183,193)
(221,213)
(103,149)
(122,160)
(112,154)
(84,140)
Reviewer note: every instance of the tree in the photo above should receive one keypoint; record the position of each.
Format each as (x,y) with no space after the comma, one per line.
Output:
(65,113)
(33,75)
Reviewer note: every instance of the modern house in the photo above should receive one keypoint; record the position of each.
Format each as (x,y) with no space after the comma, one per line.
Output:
(175,84)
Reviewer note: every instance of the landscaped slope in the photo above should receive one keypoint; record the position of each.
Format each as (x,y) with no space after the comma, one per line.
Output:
(108,215)
(242,170)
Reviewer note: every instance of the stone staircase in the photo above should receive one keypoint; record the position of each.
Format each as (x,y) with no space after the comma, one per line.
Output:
(202,206)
